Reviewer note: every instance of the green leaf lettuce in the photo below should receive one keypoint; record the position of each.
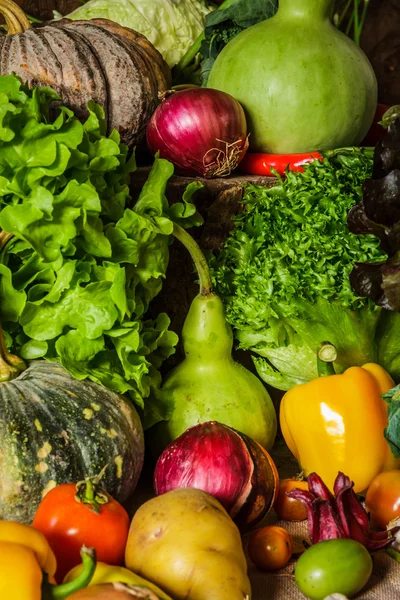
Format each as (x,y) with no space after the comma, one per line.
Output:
(80,269)
(284,275)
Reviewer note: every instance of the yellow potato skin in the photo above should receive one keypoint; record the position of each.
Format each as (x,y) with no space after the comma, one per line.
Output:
(185,542)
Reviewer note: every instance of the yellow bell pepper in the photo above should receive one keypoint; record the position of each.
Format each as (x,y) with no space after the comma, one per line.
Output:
(32,539)
(28,565)
(336,423)
(109,574)
(20,573)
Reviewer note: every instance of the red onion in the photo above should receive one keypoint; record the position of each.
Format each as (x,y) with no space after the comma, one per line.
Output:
(227,464)
(201,131)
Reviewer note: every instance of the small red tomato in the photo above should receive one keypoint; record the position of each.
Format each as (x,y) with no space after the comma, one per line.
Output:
(383,498)
(270,548)
(72,515)
(289,509)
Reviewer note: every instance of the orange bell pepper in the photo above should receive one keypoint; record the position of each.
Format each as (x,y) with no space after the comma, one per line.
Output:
(336,423)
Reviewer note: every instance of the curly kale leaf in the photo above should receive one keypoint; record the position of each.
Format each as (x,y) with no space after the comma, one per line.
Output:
(284,272)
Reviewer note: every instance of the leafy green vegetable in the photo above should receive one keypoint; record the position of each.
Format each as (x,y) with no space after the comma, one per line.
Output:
(170,25)
(284,274)
(378,213)
(392,431)
(222,25)
(79,272)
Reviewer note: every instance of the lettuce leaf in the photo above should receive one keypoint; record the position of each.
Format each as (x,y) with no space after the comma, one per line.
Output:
(81,267)
(284,274)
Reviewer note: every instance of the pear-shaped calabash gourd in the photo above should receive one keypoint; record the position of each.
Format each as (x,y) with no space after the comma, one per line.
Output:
(209,385)
(55,429)
(304,85)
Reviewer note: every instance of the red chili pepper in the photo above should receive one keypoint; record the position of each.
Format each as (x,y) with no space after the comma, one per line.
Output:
(256,163)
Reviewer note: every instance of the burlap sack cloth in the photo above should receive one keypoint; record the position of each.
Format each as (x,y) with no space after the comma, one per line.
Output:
(383,585)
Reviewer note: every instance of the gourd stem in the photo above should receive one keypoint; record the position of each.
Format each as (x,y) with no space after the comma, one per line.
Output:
(326,356)
(198,258)
(313,9)
(10,365)
(59,592)
(16,20)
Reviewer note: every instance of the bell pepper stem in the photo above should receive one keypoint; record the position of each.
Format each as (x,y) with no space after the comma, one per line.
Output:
(390,115)
(326,356)
(198,258)
(393,554)
(59,592)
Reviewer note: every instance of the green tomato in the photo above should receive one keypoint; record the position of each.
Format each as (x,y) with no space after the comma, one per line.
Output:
(338,566)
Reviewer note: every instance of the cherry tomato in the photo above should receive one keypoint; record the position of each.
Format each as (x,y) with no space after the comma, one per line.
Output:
(68,524)
(339,566)
(287,508)
(270,548)
(383,498)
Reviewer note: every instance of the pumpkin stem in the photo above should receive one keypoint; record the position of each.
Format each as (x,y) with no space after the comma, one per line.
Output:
(16,20)
(10,365)
(89,494)
(4,236)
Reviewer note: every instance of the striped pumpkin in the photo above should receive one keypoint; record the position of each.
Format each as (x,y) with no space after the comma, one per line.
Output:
(55,429)
(88,60)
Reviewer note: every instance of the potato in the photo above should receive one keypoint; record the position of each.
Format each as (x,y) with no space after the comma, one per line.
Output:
(185,542)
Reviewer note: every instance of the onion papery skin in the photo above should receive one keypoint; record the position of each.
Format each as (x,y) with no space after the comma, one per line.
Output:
(225,463)
(201,131)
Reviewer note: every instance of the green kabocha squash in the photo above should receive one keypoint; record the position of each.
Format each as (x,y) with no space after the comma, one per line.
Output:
(304,85)
(88,60)
(55,429)
(209,385)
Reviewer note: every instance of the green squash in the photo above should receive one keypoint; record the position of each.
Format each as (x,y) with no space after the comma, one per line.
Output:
(55,429)
(208,385)
(303,84)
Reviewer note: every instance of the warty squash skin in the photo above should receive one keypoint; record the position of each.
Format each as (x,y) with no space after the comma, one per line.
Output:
(88,60)
(55,429)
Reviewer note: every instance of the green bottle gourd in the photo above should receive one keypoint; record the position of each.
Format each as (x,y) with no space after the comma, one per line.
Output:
(209,385)
(304,85)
